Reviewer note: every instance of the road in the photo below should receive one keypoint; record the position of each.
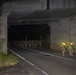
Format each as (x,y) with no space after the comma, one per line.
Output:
(46,64)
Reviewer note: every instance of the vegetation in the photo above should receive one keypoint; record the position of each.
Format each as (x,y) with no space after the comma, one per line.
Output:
(7,59)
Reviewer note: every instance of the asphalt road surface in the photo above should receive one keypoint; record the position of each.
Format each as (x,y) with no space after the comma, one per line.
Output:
(46,64)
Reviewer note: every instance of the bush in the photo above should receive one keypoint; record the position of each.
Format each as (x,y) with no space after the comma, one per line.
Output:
(7,59)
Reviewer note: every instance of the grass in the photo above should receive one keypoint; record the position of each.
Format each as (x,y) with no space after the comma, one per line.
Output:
(7,59)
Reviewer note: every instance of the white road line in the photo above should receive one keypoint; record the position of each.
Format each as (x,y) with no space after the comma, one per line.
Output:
(51,54)
(29,62)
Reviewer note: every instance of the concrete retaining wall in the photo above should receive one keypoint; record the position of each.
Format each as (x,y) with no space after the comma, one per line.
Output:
(27,5)
(58,4)
(63,31)
(33,5)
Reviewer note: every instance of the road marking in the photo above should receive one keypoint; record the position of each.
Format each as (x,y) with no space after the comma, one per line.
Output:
(29,62)
(51,54)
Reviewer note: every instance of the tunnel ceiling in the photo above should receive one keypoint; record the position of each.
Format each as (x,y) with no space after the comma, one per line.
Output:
(39,17)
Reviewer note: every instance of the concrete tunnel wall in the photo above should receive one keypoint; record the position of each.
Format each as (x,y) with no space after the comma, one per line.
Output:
(60,4)
(33,5)
(24,5)
(63,31)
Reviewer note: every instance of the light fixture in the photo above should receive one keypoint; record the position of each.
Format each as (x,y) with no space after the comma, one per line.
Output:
(64,44)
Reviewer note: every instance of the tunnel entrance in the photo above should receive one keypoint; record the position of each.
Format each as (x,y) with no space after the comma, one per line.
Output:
(32,33)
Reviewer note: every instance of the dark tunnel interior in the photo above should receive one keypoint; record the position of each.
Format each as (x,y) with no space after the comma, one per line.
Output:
(32,32)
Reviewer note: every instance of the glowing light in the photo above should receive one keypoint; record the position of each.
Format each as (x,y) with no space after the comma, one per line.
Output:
(71,43)
(63,44)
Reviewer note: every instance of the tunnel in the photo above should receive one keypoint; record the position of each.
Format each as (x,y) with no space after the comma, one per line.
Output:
(51,28)
(28,30)
(51,22)
(31,32)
